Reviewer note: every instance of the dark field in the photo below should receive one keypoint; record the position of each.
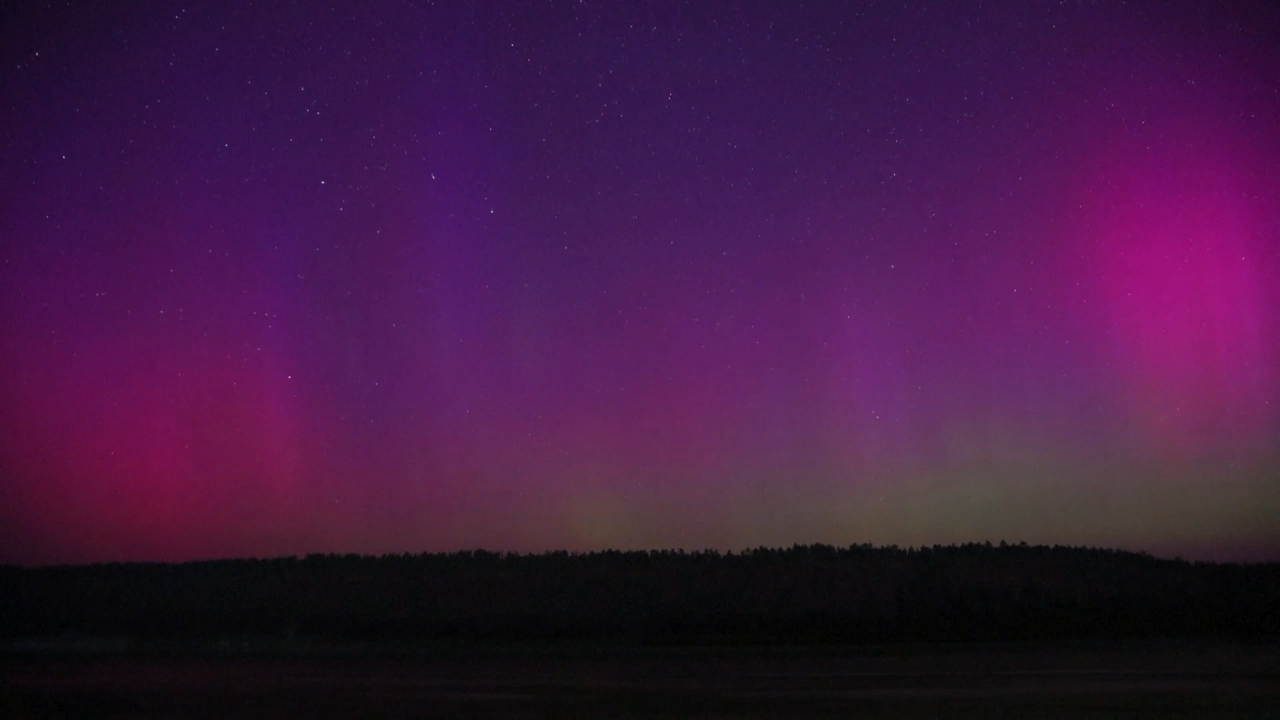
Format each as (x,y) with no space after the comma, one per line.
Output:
(1147,680)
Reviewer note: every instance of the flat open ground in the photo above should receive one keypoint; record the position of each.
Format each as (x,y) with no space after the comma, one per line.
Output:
(1150,680)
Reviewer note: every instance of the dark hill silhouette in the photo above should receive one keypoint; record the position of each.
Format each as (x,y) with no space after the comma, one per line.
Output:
(804,594)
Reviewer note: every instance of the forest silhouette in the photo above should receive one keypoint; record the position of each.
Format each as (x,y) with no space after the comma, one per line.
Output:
(806,594)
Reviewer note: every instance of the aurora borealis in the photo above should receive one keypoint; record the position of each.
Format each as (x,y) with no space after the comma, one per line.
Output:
(403,276)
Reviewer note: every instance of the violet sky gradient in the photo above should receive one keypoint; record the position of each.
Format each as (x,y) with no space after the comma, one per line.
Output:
(395,276)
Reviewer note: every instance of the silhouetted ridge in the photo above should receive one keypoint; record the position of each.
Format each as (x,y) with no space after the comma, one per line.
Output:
(804,594)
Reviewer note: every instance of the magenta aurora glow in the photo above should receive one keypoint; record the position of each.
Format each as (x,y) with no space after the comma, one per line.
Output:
(280,279)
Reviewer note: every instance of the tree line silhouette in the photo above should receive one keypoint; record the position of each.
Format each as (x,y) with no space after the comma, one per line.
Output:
(802,594)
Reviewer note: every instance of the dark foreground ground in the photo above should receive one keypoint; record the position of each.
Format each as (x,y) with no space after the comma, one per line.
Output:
(1148,680)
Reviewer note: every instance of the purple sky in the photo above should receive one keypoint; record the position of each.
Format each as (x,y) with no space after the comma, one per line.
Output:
(392,277)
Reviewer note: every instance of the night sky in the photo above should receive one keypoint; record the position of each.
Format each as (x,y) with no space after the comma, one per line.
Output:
(394,276)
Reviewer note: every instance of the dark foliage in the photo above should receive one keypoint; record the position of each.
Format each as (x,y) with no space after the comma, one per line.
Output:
(805,594)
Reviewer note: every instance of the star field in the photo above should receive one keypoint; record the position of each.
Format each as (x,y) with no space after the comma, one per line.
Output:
(278,278)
